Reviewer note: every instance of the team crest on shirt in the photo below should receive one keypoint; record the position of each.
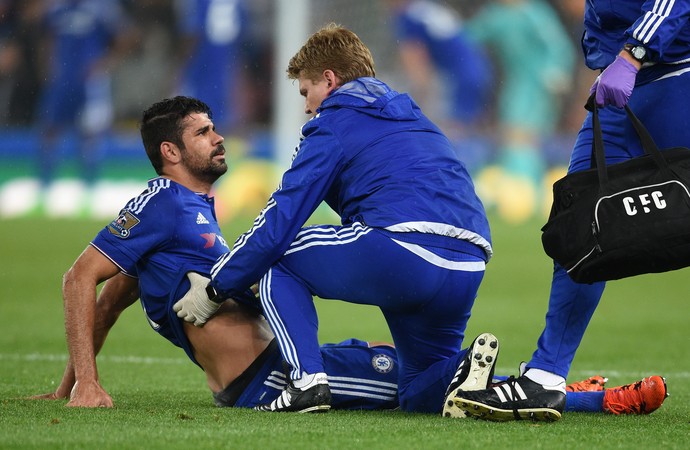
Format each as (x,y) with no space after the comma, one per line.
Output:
(382,363)
(121,226)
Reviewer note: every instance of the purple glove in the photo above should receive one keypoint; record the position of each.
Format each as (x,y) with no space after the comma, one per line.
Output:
(615,84)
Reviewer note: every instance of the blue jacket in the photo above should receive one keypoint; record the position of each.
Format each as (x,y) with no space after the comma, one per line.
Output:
(374,158)
(661,26)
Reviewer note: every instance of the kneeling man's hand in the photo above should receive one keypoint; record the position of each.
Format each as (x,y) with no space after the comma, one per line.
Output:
(195,306)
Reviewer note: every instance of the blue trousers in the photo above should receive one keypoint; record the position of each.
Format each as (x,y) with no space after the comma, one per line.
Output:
(663,106)
(360,377)
(425,293)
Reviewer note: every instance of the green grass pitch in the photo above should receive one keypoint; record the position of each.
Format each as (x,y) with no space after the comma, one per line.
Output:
(161,400)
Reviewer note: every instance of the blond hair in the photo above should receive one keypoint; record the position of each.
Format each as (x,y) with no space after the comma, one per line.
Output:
(336,48)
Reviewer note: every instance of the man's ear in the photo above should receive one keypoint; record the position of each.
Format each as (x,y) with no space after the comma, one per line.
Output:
(170,152)
(332,80)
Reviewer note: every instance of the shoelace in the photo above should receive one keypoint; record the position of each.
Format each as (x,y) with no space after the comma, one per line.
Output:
(626,399)
(511,403)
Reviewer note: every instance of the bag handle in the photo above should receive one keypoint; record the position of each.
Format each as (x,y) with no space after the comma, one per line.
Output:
(598,156)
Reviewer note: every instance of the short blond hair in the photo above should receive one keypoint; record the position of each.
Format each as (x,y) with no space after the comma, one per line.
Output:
(336,48)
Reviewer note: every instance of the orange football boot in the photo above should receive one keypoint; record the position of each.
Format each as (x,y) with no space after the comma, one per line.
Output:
(591,384)
(642,397)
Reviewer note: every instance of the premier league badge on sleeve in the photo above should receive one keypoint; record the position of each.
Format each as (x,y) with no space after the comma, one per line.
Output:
(121,226)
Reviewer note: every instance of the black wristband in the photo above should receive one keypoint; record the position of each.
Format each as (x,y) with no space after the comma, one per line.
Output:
(213,295)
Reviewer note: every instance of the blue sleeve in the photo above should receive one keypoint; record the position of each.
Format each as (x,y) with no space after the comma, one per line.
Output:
(659,25)
(134,233)
(303,187)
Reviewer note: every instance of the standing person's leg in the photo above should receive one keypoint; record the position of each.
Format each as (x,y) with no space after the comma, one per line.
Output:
(571,305)
(539,393)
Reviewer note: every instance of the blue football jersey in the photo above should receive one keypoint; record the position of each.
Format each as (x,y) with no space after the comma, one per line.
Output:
(211,72)
(81,33)
(158,237)
(463,64)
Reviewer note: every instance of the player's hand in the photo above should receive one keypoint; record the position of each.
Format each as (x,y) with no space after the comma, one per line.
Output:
(61,393)
(63,390)
(89,394)
(615,84)
(50,396)
(195,305)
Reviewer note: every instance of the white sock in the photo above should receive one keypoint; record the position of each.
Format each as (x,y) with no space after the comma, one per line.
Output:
(310,379)
(544,378)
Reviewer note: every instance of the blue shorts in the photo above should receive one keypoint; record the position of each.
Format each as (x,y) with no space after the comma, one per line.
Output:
(360,377)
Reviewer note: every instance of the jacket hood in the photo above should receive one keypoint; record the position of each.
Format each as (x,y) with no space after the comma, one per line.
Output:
(373,97)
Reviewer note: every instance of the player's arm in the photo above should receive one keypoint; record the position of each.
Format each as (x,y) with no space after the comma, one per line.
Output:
(658,26)
(303,187)
(118,294)
(79,295)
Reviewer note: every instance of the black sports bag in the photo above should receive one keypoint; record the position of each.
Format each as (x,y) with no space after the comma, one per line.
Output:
(625,219)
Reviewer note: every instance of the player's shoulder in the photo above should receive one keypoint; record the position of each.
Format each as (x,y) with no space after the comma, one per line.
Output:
(159,192)
(147,208)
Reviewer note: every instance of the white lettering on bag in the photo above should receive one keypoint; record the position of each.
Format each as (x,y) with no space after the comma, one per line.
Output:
(656,198)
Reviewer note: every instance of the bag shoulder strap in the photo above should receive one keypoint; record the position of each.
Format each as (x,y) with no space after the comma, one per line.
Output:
(598,152)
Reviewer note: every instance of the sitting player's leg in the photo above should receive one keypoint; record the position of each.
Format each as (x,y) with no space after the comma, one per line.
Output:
(642,397)
(361,376)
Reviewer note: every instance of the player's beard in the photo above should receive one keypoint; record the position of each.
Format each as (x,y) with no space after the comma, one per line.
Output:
(207,170)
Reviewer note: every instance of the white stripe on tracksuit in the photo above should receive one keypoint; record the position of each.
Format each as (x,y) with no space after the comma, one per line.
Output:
(652,19)
(242,240)
(426,255)
(309,237)
(314,236)
(443,229)
(353,387)
(285,342)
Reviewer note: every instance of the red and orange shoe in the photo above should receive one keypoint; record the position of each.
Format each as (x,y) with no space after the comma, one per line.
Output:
(642,397)
(591,384)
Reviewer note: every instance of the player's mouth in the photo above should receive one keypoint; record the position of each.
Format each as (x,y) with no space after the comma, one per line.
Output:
(219,151)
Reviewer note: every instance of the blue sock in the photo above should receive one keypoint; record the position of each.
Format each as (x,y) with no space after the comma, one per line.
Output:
(584,401)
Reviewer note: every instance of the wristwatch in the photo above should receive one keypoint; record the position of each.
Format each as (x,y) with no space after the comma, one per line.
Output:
(213,295)
(637,51)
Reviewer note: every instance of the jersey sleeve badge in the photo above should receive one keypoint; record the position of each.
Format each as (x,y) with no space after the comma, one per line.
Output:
(121,226)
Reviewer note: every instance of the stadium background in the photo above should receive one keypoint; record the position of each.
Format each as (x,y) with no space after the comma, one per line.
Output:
(162,400)
(269,109)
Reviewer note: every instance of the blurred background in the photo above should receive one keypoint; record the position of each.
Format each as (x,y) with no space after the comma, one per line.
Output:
(503,78)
